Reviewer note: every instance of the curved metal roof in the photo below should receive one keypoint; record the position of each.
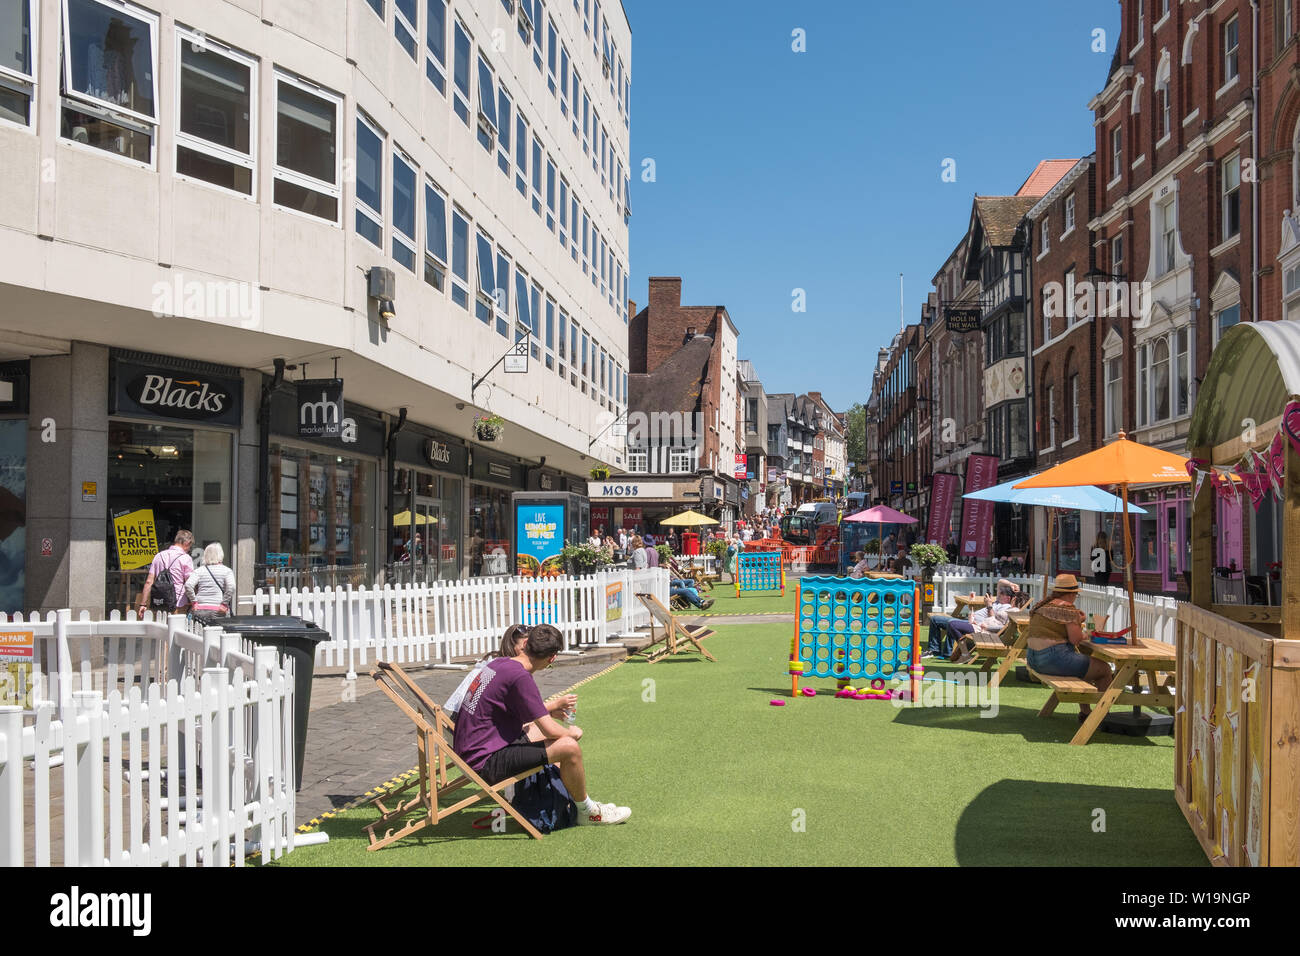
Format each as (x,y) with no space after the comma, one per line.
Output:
(1254,371)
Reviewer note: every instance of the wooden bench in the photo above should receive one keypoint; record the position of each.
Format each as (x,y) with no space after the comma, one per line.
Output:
(1065,690)
(673,629)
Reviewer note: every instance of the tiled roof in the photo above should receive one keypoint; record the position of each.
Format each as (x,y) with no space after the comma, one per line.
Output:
(1001,215)
(674,386)
(1047,175)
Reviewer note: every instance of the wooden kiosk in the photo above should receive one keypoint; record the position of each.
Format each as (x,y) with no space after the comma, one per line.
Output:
(1237,723)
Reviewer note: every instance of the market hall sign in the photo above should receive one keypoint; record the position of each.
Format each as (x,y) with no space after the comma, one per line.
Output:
(320,408)
(172,393)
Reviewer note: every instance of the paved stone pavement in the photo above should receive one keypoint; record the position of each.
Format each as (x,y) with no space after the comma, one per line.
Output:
(356,745)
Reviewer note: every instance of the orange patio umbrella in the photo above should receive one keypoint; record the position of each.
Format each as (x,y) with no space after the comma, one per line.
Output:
(1121,463)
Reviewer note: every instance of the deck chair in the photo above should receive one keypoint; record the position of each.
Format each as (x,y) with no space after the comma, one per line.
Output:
(676,637)
(433,733)
(698,575)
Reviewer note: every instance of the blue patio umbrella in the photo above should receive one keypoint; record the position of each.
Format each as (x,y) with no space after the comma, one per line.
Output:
(1075,498)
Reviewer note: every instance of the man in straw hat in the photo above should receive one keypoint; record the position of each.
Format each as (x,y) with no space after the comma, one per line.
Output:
(1055,633)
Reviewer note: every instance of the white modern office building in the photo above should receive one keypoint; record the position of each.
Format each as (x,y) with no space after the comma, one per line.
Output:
(206,203)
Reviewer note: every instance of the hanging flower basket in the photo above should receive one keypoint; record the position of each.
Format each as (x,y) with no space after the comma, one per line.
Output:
(489,427)
(600,473)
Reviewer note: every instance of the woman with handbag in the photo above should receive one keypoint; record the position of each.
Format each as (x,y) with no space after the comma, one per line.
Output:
(211,588)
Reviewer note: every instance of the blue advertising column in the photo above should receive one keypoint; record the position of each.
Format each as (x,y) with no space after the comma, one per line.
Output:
(539,533)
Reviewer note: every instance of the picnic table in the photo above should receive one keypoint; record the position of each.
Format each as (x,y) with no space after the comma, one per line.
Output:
(965,603)
(1145,656)
(1008,646)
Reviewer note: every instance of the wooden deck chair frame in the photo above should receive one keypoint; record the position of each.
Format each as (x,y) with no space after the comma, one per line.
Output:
(673,630)
(433,731)
(701,578)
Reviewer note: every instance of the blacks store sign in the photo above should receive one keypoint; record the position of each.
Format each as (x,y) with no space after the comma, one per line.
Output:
(156,391)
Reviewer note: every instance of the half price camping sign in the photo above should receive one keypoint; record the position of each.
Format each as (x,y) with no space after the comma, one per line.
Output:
(137,538)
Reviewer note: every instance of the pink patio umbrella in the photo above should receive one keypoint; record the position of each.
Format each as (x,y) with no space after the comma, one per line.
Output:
(881,515)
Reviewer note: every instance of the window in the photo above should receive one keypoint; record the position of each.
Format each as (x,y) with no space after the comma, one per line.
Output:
(573,225)
(435,34)
(17,72)
(586,118)
(564,214)
(523,307)
(536,312)
(1114,395)
(1069,298)
(1164,377)
(586,368)
(1182,372)
(1231,196)
(503,130)
(679,461)
(460,259)
(521,154)
(377,6)
(538,13)
(1051,416)
(1291,292)
(563,339)
(501,294)
(306,151)
(573,353)
(1044,239)
(537,175)
(485,300)
(460,73)
(552,42)
(585,239)
(1069,214)
(1049,311)
(405,18)
(550,193)
(487,107)
(404,180)
(1225,320)
(1162,93)
(638,462)
(1141,21)
(1117,255)
(370,182)
(1116,152)
(215,113)
(1073,398)
(110,87)
(564,79)
(577,86)
(1230,50)
(1165,221)
(435,236)
(550,333)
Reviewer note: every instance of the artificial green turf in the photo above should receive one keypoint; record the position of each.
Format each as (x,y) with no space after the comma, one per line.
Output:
(715,775)
(750,602)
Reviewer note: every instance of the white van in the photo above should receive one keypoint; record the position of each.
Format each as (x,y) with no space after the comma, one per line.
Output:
(823,512)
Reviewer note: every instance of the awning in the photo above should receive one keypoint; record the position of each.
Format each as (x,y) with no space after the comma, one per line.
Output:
(1254,371)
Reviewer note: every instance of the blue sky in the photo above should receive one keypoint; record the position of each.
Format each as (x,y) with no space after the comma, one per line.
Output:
(777,170)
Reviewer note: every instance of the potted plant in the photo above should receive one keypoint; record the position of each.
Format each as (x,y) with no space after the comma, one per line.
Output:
(583,558)
(665,554)
(600,473)
(489,427)
(718,548)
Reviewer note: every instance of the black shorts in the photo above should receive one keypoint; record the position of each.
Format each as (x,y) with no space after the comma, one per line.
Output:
(513,759)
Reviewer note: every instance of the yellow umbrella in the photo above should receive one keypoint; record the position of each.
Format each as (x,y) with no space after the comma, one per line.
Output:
(404,518)
(688,519)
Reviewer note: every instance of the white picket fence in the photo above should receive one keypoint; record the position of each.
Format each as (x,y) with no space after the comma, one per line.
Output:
(186,760)
(442,621)
(1156,614)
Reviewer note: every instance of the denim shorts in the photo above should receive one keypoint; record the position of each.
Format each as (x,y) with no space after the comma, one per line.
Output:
(1059,660)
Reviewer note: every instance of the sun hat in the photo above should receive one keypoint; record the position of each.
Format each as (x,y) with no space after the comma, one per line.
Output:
(1067,583)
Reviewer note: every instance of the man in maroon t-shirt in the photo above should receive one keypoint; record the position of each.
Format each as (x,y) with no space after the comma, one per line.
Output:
(490,726)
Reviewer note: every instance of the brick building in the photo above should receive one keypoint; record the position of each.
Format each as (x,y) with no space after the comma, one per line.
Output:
(1065,347)
(898,471)
(1173,232)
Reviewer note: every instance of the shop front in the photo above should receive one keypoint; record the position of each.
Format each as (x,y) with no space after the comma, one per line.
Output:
(172,427)
(321,514)
(14,379)
(426,506)
(488,525)
(640,505)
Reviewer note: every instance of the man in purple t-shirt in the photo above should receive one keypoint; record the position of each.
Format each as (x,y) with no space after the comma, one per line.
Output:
(490,726)
(173,567)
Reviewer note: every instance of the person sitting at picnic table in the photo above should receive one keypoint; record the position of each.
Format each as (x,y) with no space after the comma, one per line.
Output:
(498,704)
(860,566)
(1055,633)
(990,619)
(942,642)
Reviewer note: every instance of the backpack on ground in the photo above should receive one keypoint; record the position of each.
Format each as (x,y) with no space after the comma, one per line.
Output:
(544,800)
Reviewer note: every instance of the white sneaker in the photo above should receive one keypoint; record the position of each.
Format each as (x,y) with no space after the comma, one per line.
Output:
(606,813)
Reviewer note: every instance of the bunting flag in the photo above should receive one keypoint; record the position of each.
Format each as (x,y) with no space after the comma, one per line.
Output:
(1200,480)
(1291,424)
(1277,463)
(1251,481)
(1264,465)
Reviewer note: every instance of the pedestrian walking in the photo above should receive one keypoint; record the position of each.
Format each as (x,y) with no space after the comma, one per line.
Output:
(210,589)
(164,588)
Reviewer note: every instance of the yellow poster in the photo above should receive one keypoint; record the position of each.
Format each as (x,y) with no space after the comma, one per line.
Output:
(16,649)
(137,541)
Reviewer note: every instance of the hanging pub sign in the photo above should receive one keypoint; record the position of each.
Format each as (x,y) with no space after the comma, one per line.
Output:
(157,391)
(964,320)
(320,408)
